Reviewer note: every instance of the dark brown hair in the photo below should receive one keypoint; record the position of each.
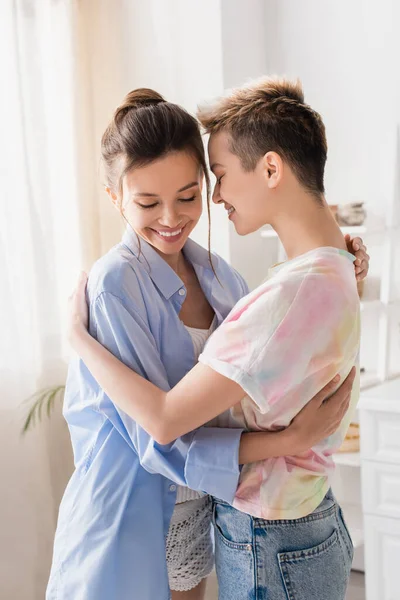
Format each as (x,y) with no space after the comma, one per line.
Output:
(144,128)
(270,115)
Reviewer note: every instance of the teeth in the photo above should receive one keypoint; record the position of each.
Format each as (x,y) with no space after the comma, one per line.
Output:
(230,210)
(167,234)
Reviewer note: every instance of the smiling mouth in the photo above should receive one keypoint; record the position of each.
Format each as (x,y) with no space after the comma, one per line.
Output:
(169,236)
(230,210)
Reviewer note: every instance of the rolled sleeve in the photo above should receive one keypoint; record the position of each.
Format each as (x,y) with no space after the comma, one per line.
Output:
(209,469)
(203,460)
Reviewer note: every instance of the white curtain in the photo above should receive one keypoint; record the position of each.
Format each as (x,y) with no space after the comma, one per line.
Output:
(64,66)
(49,216)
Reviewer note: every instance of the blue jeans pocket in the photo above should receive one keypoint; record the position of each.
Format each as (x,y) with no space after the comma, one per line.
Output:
(318,572)
(234,556)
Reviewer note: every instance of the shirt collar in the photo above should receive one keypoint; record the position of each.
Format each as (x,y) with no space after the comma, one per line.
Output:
(162,275)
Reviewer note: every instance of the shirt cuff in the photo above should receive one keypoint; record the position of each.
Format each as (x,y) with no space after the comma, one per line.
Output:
(212,463)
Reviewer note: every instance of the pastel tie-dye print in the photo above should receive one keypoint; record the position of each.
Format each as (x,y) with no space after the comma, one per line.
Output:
(282,343)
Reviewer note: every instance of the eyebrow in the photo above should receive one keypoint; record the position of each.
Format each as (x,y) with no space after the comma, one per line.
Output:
(182,189)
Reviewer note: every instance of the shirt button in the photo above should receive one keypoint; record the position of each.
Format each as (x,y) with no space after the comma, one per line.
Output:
(249,547)
(182,292)
(172,488)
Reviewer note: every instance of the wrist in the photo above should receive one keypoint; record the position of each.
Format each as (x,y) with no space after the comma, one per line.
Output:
(77,335)
(291,441)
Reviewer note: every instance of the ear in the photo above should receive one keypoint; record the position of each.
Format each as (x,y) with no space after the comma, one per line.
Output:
(114,198)
(273,169)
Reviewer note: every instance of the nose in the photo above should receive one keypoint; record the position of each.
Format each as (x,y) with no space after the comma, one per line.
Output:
(170,218)
(216,196)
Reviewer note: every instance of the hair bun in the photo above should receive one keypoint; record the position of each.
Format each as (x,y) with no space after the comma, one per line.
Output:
(139,98)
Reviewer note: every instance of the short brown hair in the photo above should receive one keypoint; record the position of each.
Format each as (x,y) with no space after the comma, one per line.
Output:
(270,114)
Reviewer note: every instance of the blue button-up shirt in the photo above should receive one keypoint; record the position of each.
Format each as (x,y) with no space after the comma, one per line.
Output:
(115,514)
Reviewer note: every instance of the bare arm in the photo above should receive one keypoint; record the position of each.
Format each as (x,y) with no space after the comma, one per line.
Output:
(200,396)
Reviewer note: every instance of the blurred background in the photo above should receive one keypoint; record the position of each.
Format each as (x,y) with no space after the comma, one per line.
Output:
(64,66)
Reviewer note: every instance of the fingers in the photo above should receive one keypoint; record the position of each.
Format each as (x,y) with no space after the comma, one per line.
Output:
(341,396)
(344,395)
(357,243)
(362,275)
(82,280)
(81,290)
(361,263)
(81,284)
(361,257)
(362,269)
(326,391)
(338,404)
(347,384)
(344,408)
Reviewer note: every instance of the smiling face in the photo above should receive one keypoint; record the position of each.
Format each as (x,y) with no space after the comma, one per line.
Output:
(246,196)
(162,201)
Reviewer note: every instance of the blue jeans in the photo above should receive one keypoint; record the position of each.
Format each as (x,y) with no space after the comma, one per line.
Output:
(299,559)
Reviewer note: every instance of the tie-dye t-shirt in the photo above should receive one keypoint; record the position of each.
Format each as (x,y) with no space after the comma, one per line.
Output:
(282,343)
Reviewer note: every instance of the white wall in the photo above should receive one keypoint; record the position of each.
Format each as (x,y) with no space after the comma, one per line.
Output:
(244,51)
(174,47)
(30,494)
(346,55)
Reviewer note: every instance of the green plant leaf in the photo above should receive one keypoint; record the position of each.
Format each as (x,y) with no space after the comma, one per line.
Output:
(39,401)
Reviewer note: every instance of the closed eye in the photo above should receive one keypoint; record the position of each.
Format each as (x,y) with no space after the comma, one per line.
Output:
(187,199)
(147,205)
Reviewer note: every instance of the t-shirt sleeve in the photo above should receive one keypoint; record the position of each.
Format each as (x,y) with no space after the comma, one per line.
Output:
(279,335)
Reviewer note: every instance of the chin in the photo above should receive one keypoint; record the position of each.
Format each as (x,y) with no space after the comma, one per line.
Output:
(243,229)
(169,248)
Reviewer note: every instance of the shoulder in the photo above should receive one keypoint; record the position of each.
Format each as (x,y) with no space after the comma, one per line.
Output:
(117,274)
(324,275)
(323,282)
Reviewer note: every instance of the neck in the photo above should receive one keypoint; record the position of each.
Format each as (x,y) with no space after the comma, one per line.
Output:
(175,261)
(307,225)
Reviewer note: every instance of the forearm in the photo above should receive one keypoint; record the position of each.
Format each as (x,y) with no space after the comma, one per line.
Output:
(261,445)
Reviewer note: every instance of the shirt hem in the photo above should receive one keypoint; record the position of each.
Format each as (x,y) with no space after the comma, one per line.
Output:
(275,514)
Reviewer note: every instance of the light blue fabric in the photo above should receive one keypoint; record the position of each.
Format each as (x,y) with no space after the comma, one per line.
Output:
(113,519)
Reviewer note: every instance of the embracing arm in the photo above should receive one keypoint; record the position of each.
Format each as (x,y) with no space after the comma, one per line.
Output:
(200,396)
